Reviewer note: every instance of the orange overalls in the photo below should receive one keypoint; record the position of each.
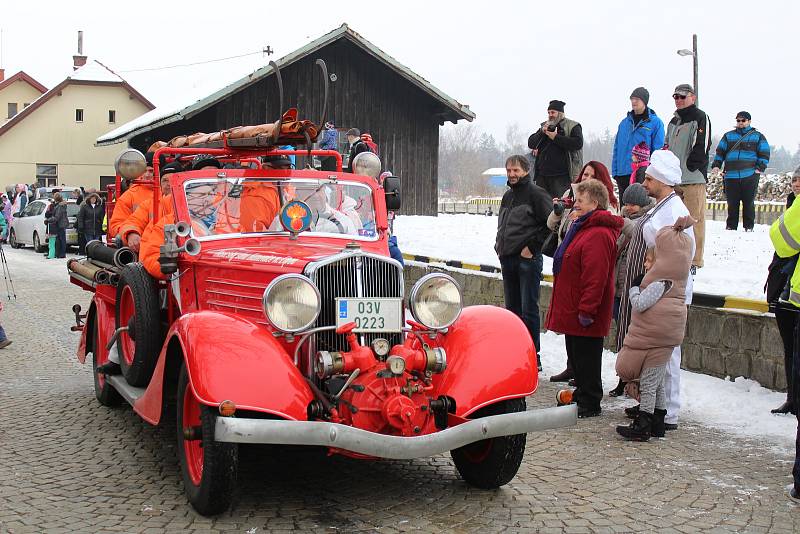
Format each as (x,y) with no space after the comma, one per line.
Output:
(258,207)
(153,238)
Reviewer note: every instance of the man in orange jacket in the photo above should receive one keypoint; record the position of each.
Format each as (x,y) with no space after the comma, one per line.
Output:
(132,229)
(136,193)
(260,203)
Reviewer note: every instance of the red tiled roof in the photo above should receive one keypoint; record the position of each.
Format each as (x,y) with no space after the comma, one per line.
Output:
(21,75)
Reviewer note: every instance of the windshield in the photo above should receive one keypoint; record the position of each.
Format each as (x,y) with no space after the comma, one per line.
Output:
(237,205)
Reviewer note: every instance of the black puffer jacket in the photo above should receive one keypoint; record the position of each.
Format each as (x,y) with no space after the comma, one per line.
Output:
(90,218)
(523,218)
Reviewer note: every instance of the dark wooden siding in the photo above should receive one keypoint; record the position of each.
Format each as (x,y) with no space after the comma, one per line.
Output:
(367,94)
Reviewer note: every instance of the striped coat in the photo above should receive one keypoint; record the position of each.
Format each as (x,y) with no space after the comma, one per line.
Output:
(750,154)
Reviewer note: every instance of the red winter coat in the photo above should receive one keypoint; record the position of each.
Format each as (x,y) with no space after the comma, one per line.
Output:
(586,281)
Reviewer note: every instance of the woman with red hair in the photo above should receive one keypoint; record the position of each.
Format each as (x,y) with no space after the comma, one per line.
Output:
(560,220)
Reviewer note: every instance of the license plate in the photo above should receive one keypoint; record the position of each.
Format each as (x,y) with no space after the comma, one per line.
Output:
(370,315)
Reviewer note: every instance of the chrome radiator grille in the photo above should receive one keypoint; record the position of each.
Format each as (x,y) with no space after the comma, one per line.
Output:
(352,275)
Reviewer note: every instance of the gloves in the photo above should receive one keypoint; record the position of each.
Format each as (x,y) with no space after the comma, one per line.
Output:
(585,320)
(637,281)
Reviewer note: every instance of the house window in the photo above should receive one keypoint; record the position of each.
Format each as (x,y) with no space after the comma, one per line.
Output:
(12,109)
(79,115)
(46,174)
(112,116)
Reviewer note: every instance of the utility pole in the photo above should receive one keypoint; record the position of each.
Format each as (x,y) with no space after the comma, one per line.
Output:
(693,53)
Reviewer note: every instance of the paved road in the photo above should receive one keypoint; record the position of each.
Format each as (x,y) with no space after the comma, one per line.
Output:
(68,464)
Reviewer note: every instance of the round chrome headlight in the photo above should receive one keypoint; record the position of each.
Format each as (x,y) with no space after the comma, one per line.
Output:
(291,303)
(130,164)
(367,164)
(435,301)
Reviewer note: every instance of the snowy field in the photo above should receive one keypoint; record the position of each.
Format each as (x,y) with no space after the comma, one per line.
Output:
(735,262)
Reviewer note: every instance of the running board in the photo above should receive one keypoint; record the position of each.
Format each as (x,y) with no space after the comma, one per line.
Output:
(130,393)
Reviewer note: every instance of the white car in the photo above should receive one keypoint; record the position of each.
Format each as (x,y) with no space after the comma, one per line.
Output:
(29,228)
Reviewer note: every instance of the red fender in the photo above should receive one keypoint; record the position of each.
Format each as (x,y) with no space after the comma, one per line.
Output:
(490,357)
(101,312)
(229,358)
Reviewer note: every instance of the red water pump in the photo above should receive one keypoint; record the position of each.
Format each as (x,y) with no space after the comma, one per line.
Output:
(391,396)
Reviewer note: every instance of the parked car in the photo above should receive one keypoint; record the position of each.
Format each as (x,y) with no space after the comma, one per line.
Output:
(29,228)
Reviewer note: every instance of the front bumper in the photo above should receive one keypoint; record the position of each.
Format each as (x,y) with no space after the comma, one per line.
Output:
(321,433)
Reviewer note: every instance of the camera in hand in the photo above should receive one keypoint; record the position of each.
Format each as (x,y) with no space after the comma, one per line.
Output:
(560,204)
(551,127)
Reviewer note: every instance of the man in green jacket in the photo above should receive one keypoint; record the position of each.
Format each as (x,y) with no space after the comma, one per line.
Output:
(689,138)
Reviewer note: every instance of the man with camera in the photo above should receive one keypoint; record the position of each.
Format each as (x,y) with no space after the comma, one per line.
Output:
(521,230)
(558,148)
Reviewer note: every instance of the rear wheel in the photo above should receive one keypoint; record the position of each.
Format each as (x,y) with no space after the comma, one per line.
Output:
(12,239)
(209,468)
(37,245)
(106,395)
(491,463)
(137,308)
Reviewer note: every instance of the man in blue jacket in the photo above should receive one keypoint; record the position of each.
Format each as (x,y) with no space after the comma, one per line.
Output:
(640,125)
(744,152)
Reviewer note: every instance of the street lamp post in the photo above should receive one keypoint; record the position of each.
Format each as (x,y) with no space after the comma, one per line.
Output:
(693,53)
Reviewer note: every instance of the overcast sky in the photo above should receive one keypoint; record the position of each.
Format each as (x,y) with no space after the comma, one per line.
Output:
(504,59)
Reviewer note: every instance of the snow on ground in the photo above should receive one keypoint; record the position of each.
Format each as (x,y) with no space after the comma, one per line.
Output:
(735,262)
(741,407)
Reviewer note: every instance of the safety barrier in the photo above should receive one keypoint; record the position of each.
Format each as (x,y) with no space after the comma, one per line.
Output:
(705,300)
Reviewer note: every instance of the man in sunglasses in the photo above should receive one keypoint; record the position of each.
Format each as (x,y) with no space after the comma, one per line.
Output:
(743,153)
(689,138)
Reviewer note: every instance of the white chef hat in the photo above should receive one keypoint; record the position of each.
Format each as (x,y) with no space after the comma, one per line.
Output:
(664,167)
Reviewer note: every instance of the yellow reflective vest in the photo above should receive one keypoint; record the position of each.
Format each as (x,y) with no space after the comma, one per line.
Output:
(785,236)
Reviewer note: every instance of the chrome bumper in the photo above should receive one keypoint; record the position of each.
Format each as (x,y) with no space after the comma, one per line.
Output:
(324,434)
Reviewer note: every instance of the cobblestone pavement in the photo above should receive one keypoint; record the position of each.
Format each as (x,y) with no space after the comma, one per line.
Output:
(68,464)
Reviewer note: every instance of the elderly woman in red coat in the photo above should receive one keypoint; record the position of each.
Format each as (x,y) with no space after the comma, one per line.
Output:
(583,290)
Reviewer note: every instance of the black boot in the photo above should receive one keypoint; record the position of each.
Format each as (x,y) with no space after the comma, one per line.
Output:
(632,412)
(617,391)
(639,429)
(657,430)
(786,407)
(109,368)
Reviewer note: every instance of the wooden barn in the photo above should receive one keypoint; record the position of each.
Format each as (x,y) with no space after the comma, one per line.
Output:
(368,90)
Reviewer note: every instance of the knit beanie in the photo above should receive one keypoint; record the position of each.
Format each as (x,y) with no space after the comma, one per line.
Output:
(642,94)
(641,151)
(556,105)
(636,194)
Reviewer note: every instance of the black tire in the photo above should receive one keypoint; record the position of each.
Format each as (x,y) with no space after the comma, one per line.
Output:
(214,492)
(146,340)
(106,395)
(491,463)
(12,239)
(37,244)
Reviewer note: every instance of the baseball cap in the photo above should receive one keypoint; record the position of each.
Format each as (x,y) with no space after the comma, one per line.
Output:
(684,89)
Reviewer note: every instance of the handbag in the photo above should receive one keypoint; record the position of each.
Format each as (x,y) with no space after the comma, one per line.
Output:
(550,245)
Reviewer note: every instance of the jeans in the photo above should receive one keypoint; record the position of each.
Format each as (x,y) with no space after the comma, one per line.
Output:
(521,279)
(61,243)
(741,190)
(394,250)
(3,335)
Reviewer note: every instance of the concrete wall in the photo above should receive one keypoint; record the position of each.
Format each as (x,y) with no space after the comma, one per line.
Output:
(718,342)
(50,135)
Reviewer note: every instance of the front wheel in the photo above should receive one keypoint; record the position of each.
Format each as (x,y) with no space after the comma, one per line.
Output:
(209,468)
(105,393)
(491,463)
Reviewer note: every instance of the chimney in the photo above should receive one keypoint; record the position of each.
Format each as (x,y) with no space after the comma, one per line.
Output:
(79,60)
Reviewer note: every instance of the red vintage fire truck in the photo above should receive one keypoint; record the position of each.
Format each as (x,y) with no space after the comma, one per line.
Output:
(301,332)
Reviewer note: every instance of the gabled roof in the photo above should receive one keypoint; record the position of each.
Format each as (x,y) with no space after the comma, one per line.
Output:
(21,75)
(93,73)
(161,116)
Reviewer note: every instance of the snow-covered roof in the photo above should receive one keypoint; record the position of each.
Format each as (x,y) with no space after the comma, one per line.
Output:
(94,71)
(193,104)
